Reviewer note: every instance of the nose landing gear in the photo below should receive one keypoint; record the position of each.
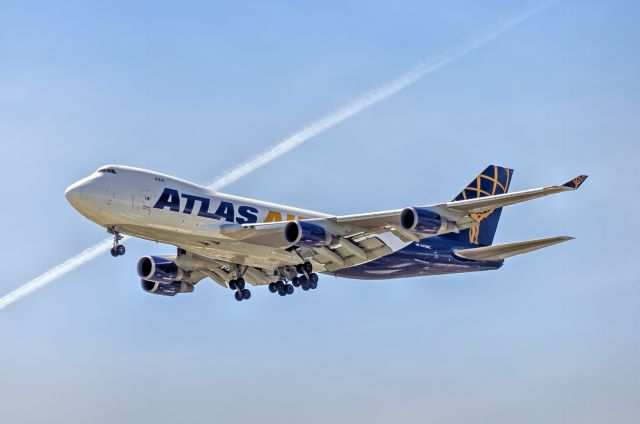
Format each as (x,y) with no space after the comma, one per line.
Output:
(117,249)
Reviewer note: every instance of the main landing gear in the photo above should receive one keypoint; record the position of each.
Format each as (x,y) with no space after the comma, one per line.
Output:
(241,292)
(308,280)
(281,288)
(117,249)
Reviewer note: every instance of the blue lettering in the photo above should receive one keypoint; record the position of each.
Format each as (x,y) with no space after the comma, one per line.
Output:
(204,210)
(249,215)
(169,198)
(191,200)
(225,210)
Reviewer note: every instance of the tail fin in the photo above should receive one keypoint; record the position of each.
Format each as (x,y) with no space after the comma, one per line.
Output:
(493,180)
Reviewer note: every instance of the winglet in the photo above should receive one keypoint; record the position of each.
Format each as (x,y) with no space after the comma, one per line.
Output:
(576,182)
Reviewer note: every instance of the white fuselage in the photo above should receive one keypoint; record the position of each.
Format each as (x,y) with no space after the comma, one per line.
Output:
(169,210)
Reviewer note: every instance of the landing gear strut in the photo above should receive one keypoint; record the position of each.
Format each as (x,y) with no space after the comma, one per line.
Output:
(117,249)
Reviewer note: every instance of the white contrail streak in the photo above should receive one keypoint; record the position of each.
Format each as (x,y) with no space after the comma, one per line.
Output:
(352,108)
(374,96)
(56,272)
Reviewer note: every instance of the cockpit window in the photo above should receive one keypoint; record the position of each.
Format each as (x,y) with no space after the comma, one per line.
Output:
(107,170)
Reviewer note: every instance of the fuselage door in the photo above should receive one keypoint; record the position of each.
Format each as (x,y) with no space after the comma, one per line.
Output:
(144,200)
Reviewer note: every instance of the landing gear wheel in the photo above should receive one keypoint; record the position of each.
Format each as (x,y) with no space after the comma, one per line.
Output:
(246,294)
(114,252)
(295,282)
(289,289)
(313,277)
(305,287)
(302,280)
(273,288)
(299,269)
(282,292)
(240,283)
(232,285)
(280,286)
(239,296)
(120,249)
(313,285)
(308,267)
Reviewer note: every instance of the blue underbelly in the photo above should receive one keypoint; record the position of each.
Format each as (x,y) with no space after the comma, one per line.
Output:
(431,256)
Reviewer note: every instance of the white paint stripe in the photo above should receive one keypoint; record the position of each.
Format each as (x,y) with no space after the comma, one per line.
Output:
(354,107)
(374,96)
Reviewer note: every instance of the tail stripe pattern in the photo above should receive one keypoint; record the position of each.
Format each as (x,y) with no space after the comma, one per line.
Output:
(493,180)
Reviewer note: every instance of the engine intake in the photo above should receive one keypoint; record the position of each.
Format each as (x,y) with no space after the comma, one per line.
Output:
(160,270)
(169,289)
(424,221)
(306,234)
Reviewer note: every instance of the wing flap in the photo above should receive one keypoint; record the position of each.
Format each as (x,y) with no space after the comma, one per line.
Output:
(503,251)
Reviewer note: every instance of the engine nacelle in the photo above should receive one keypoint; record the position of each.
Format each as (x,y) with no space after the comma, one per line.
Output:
(306,234)
(168,289)
(424,221)
(160,270)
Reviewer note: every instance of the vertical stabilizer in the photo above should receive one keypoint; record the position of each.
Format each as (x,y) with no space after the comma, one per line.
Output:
(493,180)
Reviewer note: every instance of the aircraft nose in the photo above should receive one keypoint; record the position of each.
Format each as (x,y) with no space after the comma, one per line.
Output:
(73,193)
(88,196)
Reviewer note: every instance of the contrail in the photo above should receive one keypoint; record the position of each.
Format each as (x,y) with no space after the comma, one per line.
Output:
(56,272)
(352,108)
(374,96)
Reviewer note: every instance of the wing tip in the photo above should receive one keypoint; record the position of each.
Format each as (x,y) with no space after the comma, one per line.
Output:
(576,182)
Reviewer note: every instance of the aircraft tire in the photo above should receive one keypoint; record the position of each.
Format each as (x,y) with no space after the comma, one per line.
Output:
(120,249)
(308,267)
(246,294)
(114,253)
(232,285)
(295,282)
(289,289)
(313,285)
(273,287)
(239,296)
(240,283)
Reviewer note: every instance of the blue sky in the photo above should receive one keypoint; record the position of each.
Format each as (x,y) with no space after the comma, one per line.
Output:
(192,89)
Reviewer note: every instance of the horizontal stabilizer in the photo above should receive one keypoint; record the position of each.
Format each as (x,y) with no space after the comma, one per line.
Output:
(503,251)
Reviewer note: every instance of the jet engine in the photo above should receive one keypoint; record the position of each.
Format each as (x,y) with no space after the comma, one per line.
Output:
(166,289)
(424,221)
(306,234)
(160,270)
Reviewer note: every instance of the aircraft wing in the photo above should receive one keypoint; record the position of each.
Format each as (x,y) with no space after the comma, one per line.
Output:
(482,204)
(363,237)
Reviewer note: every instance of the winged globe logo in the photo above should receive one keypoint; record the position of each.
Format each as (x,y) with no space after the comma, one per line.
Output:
(474,232)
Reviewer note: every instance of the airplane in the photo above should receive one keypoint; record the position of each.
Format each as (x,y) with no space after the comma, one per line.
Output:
(237,241)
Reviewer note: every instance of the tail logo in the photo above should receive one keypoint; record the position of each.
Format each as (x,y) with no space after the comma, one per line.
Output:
(496,182)
(474,232)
